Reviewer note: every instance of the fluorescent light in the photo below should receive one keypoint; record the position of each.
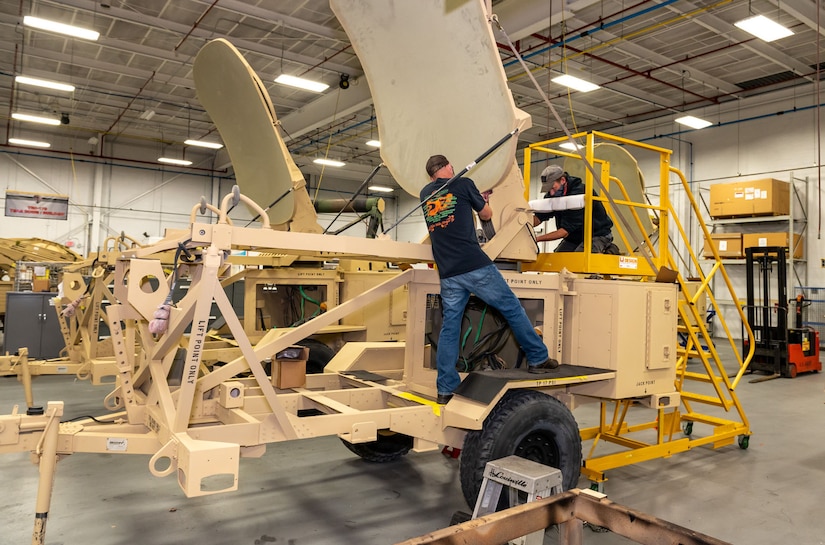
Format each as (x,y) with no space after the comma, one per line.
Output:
(571,146)
(146,115)
(328,162)
(763,28)
(32,143)
(44,83)
(693,122)
(301,83)
(381,189)
(35,119)
(181,162)
(374,143)
(575,83)
(60,28)
(202,144)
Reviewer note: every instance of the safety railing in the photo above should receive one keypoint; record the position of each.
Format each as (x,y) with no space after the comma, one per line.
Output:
(648,254)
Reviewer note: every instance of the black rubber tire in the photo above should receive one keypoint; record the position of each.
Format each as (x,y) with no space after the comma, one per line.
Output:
(529,424)
(319,355)
(389,447)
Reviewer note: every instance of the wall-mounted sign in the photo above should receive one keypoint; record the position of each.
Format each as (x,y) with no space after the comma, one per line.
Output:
(37,205)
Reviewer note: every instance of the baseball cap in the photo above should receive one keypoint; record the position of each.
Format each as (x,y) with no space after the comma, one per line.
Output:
(550,175)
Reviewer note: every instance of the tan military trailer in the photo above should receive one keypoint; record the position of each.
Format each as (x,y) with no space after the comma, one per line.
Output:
(616,338)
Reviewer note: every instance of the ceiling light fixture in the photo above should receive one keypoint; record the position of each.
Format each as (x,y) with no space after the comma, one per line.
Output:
(571,146)
(693,122)
(25,80)
(60,28)
(575,83)
(763,28)
(202,144)
(302,83)
(32,143)
(328,162)
(374,143)
(146,115)
(381,189)
(35,119)
(179,162)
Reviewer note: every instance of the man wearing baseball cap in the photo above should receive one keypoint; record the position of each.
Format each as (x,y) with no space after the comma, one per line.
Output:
(555,182)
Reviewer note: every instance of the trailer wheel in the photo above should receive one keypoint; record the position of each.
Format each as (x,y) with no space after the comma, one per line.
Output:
(319,355)
(529,424)
(389,447)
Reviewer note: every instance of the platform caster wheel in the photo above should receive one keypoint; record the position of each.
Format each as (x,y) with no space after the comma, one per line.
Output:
(687,429)
(744,440)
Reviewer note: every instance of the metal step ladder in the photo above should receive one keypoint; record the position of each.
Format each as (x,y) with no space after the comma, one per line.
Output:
(518,475)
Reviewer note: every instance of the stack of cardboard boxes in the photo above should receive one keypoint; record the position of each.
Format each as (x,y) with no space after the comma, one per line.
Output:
(766,197)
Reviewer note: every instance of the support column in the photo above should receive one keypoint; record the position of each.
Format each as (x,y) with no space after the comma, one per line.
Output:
(97,198)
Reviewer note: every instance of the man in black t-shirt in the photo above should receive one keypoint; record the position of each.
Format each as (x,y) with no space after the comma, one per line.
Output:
(464,268)
(555,182)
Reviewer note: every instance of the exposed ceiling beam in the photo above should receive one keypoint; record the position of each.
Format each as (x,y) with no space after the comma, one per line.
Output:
(74,60)
(669,64)
(763,49)
(333,104)
(520,18)
(205,35)
(267,16)
(805,11)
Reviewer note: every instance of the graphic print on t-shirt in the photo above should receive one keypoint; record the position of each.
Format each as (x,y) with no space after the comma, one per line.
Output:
(440,211)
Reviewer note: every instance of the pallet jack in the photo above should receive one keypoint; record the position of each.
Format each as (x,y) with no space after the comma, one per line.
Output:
(779,350)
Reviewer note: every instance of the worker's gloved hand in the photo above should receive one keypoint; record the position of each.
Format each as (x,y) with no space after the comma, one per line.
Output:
(486,195)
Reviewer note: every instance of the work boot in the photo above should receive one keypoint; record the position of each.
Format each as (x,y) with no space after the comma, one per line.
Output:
(443,399)
(548,365)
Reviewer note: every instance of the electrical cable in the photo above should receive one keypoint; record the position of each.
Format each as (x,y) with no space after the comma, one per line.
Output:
(89,417)
(329,145)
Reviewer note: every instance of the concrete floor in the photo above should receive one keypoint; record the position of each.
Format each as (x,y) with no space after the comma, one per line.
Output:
(317,492)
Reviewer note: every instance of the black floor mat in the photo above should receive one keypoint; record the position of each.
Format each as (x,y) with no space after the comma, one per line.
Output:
(483,386)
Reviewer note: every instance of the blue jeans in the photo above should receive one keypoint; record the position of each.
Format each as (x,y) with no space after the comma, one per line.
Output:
(489,286)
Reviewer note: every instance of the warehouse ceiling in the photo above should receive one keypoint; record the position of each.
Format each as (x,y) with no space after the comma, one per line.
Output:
(653,60)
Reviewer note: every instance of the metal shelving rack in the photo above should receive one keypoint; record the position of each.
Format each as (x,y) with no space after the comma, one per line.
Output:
(24,273)
(797,224)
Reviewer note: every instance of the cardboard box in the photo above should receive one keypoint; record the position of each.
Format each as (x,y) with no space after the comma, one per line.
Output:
(40,284)
(766,197)
(761,240)
(727,244)
(289,368)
